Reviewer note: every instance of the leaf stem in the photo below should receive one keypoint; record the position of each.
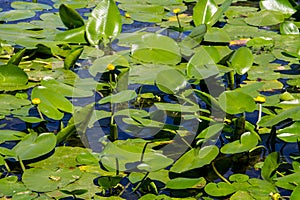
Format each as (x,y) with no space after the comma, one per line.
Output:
(219,175)
(21,164)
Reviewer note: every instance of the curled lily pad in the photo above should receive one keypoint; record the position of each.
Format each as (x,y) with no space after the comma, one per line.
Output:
(170,81)
(12,76)
(288,27)
(70,17)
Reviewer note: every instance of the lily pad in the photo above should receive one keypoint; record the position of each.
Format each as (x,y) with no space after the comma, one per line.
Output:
(219,189)
(45,180)
(158,49)
(185,183)
(290,133)
(234,102)
(14,15)
(247,142)
(33,146)
(195,158)
(170,81)
(10,186)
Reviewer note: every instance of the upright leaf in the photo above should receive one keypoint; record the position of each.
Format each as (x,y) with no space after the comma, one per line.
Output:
(270,166)
(104,24)
(282,6)
(203,11)
(242,60)
(70,17)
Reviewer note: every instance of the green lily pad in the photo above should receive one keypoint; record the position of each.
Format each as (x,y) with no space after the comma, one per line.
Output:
(100,64)
(120,97)
(12,76)
(185,183)
(63,157)
(158,49)
(202,65)
(247,142)
(195,158)
(265,18)
(33,145)
(50,104)
(234,102)
(29,6)
(219,189)
(129,157)
(14,15)
(170,81)
(11,135)
(45,180)
(10,186)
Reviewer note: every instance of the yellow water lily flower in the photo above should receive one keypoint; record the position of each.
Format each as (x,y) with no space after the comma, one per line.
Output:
(176,10)
(110,67)
(36,101)
(260,99)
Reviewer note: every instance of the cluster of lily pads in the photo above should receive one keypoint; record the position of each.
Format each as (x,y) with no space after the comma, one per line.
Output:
(193,99)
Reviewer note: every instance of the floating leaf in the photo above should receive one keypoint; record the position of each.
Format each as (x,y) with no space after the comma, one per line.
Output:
(45,180)
(14,15)
(170,81)
(33,146)
(50,104)
(219,189)
(29,6)
(185,183)
(201,65)
(234,102)
(11,135)
(10,186)
(120,97)
(158,49)
(195,158)
(12,76)
(104,24)
(247,142)
(265,18)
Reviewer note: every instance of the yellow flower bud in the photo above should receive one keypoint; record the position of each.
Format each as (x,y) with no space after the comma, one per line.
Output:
(260,99)
(36,101)
(176,10)
(127,15)
(110,67)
